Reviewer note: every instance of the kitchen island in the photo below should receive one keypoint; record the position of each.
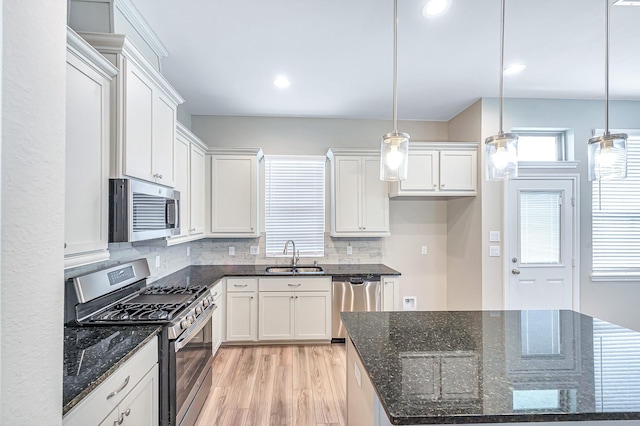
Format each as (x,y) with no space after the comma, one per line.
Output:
(489,367)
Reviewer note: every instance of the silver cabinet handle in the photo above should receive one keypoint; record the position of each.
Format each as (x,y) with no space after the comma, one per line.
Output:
(114,393)
(240,285)
(515,272)
(121,419)
(127,412)
(295,285)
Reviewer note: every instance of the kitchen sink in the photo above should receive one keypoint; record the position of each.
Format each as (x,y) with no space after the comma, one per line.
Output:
(290,270)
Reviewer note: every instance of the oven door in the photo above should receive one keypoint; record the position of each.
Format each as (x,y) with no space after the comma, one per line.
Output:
(192,352)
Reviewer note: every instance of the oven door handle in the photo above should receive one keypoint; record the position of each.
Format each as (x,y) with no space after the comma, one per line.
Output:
(192,331)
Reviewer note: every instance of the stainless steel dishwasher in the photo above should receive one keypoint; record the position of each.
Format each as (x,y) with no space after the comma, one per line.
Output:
(353,294)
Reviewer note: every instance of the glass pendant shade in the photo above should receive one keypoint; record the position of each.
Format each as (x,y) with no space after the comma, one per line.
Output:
(394,156)
(502,156)
(608,157)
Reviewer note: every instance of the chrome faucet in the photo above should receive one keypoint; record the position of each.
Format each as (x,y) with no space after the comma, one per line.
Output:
(295,256)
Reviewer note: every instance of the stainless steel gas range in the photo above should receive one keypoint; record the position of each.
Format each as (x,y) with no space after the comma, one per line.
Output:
(120,295)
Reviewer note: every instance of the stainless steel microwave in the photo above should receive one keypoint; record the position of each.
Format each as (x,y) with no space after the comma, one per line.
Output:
(142,211)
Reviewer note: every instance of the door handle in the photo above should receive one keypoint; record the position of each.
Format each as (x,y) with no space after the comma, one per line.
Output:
(515,272)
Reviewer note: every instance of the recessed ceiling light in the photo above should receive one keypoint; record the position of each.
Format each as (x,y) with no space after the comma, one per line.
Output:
(435,7)
(281,82)
(514,69)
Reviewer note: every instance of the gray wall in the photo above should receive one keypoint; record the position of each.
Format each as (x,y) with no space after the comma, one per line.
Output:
(615,302)
(33,142)
(413,222)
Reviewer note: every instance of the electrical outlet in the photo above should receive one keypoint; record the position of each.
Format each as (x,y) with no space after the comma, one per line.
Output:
(424,249)
(188,251)
(409,303)
(254,250)
(494,251)
(232,251)
(349,250)
(157,261)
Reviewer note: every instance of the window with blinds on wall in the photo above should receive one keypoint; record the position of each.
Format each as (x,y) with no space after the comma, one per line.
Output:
(294,204)
(616,219)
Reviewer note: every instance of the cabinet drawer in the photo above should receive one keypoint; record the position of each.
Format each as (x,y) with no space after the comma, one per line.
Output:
(296,283)
(103,399)
(235,285)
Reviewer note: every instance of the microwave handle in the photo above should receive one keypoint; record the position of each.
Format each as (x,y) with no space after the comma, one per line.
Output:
(172,214)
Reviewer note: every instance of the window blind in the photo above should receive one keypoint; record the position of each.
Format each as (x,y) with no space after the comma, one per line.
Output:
(616,357)
(294,204)
(616,219)
(540,227)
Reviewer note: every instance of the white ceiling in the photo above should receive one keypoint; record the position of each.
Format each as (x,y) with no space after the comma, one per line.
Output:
(225,54)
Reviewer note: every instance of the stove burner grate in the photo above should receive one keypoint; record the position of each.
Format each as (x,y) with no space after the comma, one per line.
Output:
(139,311)
(196,289)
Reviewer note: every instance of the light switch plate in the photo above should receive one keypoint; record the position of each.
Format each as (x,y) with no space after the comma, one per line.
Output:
(188,251)
(494,236)
(424,250)
(157,261)
(409,303)
(254,250)
(349,250)
(494,251)
(232,251)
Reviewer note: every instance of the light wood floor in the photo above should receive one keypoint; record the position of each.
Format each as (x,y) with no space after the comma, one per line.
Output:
(277,385)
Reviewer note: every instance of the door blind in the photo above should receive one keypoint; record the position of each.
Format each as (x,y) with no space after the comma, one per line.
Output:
(616,219)
(294,204)
(616,354)
(540,227)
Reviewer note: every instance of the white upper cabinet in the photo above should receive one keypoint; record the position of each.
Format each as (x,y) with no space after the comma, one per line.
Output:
(359,199)
(448,169)
(89,78)
(189,171)
(234,195)
(143,111)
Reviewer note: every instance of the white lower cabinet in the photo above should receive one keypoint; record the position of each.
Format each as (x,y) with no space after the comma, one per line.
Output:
(294,308)
(391,294)
(242,309)
(129,396)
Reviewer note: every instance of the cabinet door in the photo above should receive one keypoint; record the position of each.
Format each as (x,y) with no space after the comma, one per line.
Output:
(111,420)
(422,173)
(459,378)
(216,329)
(313,315)
(375,198)
(347,190)
(138,126)
(458,171)
(140,407)
(197,194)
(234,196)
(164,135)
(242,309)
(87,160)
(276,316)
(182,175)
(390,294)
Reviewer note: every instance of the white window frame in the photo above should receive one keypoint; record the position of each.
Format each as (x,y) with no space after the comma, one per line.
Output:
(274,249)
(616,274)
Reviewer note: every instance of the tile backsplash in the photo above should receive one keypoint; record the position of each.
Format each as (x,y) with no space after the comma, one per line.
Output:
(216,251)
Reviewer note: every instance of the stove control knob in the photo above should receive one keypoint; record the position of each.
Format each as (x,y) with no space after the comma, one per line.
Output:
(184,324)
(191,319)
(206,302)
(198,310)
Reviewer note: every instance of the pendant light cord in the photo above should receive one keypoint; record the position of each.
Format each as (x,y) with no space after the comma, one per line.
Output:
(501,62)
(395,67)
(606,71)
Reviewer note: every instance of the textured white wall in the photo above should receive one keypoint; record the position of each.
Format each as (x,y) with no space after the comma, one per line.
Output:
(33,125)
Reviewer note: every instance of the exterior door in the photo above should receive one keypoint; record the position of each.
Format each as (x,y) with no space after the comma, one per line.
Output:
(540,220)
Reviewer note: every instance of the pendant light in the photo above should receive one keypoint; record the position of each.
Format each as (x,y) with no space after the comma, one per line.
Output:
(394,146)
(502,149)
(607,153)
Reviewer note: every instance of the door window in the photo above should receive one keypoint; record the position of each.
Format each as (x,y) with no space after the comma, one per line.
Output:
(540,233)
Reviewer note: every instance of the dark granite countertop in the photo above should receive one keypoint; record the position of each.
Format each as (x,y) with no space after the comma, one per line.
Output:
(498,366)
(91,354)
(209,274)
